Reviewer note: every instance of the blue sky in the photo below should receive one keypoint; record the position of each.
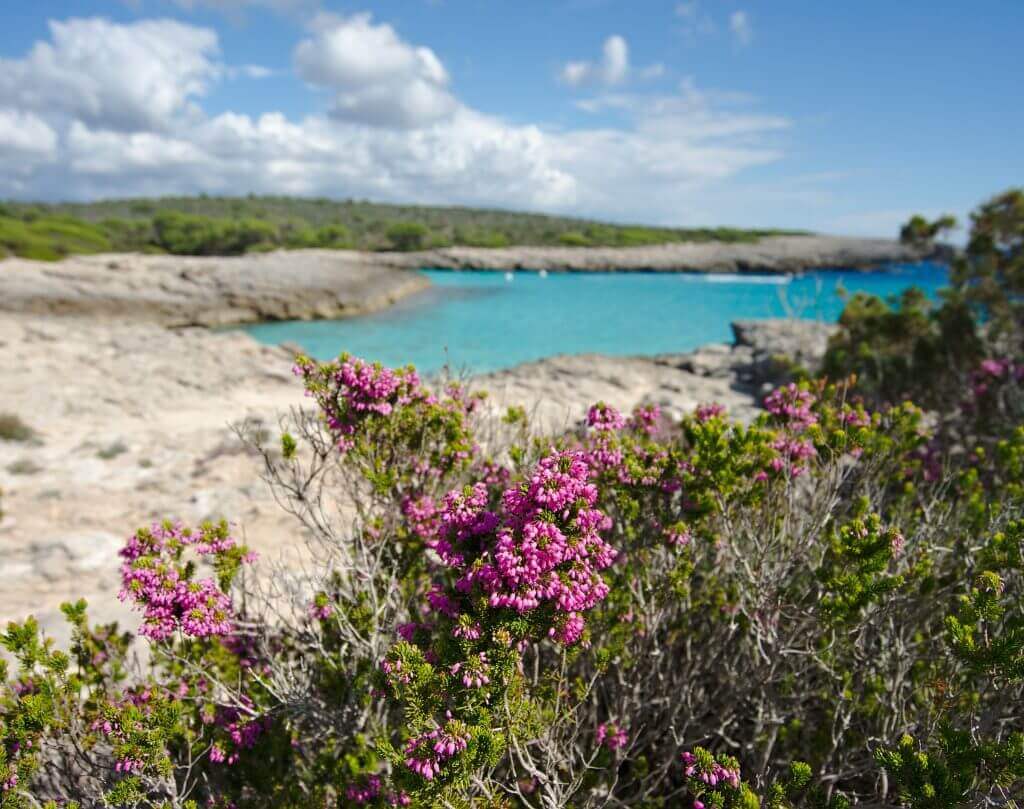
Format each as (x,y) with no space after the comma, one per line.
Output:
(840,117)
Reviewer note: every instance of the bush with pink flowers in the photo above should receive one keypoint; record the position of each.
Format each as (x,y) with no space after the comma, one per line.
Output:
(819,608)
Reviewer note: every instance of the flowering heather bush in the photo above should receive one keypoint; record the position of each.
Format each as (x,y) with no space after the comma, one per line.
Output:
(819,608)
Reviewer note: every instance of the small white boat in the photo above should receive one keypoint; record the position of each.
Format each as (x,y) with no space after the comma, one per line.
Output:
(543,273)
(509,276)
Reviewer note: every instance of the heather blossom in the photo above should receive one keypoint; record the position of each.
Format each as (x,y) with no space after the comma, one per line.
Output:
(645,419)
(427,752)
(612,736)
(706,412)
(549,549)
(155,578)
(703,767)
(792,405)
(604,417)
(353,390)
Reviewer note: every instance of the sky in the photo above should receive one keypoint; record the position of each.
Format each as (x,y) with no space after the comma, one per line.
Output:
(835,117)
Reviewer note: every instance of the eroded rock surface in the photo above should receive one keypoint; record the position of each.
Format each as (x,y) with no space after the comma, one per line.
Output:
(216,291)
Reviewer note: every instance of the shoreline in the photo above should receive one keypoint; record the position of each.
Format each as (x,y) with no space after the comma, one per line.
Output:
(770,255)
(181,291)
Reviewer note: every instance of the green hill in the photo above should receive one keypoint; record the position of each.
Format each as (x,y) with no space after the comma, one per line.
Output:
(233,225)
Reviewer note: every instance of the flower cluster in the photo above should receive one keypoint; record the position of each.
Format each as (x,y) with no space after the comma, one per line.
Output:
(369,788)
(241,727)
(463,515)
(352,390)
(989,378)
(792,405)
(612,736)
(604,417)
(645,419)
(713,780)
(548,549)
(706,412)
(710,772)
(474,672)
(156,579)
(427,752)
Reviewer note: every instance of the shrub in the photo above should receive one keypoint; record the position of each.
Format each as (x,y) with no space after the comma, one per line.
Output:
(933,353)
(185,234)
(407,236)
(573,239)
(818,608)
(919,232)
(12,428)
(49,239)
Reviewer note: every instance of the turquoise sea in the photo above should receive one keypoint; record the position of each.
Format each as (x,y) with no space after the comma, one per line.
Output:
(484,321)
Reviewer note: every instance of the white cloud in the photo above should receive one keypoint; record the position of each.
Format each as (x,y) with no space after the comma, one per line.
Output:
(250,72)
(376,77)
(741,27)
(613,68)
(26,141)
(472,159)
(129,77)
(382,138)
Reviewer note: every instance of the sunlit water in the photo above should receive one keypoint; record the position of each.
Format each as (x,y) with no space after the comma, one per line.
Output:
(482,321)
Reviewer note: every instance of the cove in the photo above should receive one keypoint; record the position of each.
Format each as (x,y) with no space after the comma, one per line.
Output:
(481,321)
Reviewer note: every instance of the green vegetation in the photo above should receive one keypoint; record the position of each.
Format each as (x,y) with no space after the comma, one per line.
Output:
(12,428)
(234,225)
(919,232)
(912,348)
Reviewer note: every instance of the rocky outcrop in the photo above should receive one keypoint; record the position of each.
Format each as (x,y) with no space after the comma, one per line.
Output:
(737,375)
(777,345)
(776,254)
(187,291)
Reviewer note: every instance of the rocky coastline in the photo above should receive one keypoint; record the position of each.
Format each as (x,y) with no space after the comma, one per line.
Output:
(181,291)
(774,254)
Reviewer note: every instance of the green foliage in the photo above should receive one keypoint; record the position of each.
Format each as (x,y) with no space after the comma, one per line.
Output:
(911,348)
(50,238)
(990,273)
(186,234)
(855,572)
(407,236)
(919,232)
(904,349)
(12,428)
(232,225)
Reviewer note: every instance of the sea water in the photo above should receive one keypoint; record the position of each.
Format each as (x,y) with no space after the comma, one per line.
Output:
(485,321)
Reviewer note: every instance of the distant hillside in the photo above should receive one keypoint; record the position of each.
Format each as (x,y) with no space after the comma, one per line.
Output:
(232,225)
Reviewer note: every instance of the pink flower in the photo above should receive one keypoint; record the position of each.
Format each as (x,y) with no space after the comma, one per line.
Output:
(612,736)
(605,417)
